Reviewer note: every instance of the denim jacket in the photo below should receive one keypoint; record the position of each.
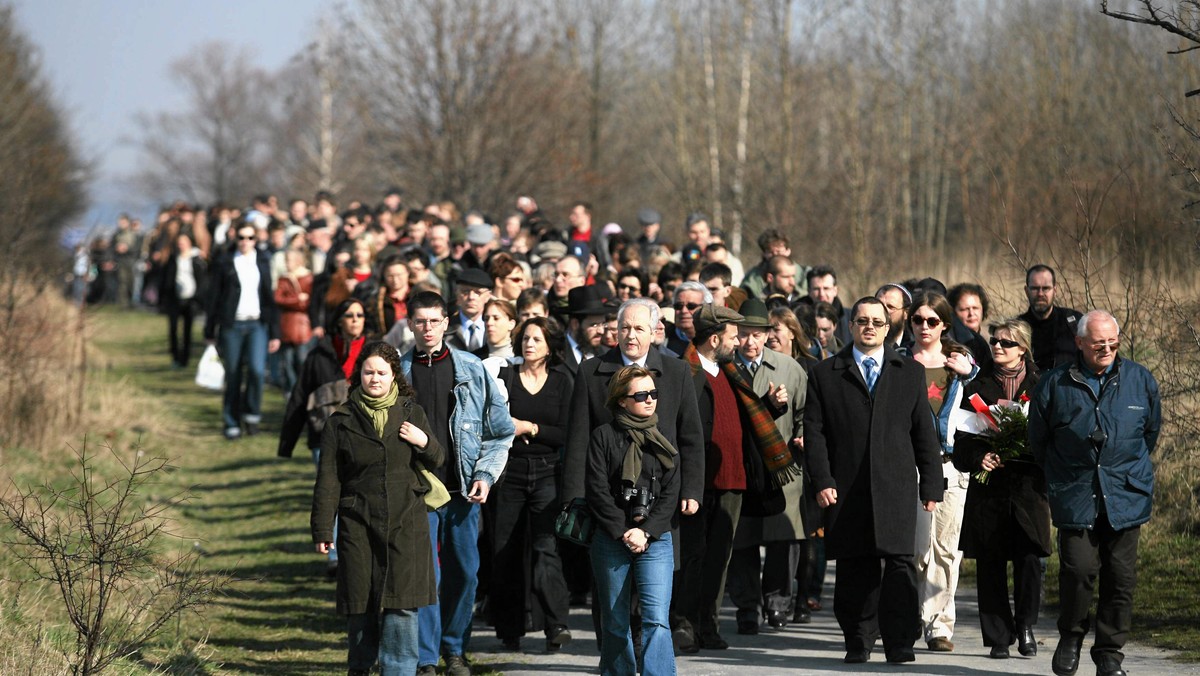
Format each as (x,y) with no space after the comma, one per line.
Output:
(952,402)
(481,429)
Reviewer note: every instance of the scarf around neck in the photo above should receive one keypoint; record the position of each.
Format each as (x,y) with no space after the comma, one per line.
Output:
(1010,379)
(644,437)
(376,408)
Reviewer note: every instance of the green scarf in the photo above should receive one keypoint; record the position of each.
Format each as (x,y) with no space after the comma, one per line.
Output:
(376,408)
(644,437)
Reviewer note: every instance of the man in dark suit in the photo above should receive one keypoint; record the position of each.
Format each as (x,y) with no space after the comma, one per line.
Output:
(873,452)
(466,331)
(678,414)
(585,328)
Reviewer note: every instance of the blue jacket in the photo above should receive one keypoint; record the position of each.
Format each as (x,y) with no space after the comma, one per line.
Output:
(480,427)
(1096,450)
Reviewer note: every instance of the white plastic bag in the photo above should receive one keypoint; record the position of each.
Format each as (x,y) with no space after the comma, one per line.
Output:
(211,373)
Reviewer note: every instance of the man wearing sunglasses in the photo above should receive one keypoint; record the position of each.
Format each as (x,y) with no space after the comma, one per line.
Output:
(873,452)
(689,297)
(243,322)
(1093,424)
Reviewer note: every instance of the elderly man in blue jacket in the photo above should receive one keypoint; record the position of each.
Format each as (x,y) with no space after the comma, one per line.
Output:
(1092,425)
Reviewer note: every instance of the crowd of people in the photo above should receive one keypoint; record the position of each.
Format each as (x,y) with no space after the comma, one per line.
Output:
(725,429)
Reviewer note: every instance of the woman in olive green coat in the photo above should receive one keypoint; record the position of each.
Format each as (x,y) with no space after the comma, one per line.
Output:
(372,450)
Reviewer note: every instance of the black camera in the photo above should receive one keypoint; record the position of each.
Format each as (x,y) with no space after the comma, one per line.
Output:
(638,501)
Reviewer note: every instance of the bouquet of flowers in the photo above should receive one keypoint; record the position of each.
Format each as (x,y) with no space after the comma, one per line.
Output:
(1004,424)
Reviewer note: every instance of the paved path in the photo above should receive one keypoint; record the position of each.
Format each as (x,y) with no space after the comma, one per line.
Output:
(817,649)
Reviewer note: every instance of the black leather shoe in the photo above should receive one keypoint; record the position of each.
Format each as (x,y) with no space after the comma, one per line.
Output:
(901,656)
(857,656)
(1066,656)
(711,641)
(685,640)
(747,627)
(999,652)
(1109,666)
(778,619)
(511,643)
(802,615)
(559,637)
(1026,643)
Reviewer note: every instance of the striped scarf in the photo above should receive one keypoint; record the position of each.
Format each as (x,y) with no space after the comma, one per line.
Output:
(776,457)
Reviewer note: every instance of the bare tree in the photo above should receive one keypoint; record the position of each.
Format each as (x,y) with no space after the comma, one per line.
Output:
(41,173)
(217,147)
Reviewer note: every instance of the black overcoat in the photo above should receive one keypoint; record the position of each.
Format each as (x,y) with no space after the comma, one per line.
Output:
(882,454)
(384,556)
(1009,515)
(678,418)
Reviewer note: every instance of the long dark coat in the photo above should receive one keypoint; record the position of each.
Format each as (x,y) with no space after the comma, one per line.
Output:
(1009,515)
(384,557)
(882,454)
(678,418)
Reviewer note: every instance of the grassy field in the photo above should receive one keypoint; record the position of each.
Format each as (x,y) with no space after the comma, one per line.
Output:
(249,517)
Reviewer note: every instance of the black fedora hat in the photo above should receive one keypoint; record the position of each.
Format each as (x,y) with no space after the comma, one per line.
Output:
(588,300)
(755,314)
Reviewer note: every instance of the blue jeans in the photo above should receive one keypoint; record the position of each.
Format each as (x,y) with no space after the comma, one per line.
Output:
(243,344)
(612,563)
(446,626)
(392,638)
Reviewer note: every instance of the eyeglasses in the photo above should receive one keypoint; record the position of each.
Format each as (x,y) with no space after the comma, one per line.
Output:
(691,307)
(424,323)
(247,238)
(353,315)
(641,397)
(932,322)
(864,322)
(630,289)
(1101,348)
(1006,344)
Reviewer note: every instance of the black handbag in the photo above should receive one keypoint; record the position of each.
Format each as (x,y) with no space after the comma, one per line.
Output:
(575,523)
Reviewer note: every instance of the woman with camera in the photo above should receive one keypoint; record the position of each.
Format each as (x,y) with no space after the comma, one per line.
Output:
(632,486)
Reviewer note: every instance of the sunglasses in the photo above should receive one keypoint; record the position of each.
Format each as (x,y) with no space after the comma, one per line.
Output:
(353,315)
(630,289)
(1006,344)
(932,322)
(641,397)
(246,238)
(864,322)
(691,307)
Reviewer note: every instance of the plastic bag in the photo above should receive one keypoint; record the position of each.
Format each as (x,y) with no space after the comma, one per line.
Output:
(211,373)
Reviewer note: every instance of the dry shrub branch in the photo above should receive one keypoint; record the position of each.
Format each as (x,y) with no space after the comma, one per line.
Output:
(103,544)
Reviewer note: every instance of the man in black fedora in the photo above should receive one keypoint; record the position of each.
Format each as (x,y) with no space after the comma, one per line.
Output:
(586,309)
(466,332)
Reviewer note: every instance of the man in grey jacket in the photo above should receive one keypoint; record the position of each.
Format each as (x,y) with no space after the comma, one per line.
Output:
(1092,425)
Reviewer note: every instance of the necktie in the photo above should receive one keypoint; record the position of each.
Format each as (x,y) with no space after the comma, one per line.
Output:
(473,338)
(872,373)
(752,367)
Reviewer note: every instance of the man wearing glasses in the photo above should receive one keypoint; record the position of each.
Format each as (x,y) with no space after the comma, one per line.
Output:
(469,417)
(1053,326)
(1092,426)
(689,297)
(872,452)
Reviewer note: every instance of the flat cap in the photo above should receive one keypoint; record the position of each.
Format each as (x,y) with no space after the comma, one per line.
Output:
(648,217)
(480,234)
(711,317)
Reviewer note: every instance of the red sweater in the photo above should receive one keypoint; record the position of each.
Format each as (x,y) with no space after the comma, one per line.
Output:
(725,450)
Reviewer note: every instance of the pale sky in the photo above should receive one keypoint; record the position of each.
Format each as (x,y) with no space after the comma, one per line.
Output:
(107,59)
